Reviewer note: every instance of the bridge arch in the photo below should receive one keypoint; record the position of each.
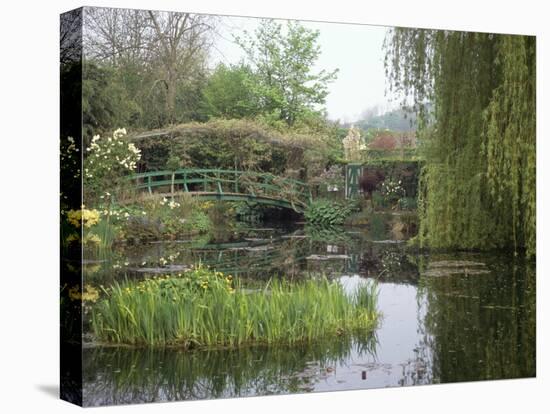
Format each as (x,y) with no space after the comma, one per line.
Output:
(228,185)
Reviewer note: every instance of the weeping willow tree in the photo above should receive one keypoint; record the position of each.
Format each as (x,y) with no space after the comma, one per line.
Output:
(474,94)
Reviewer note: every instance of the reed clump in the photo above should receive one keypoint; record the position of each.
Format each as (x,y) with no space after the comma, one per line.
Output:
(204,308)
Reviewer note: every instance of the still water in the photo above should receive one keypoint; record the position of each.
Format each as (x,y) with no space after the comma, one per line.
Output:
(444,317)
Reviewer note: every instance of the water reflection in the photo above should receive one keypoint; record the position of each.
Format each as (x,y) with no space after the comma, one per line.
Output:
(482,326)
(120,375)
(454,323)
(258,253)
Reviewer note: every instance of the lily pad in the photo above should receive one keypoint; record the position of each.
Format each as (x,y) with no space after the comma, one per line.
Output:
(327,257)
(388,241)
(455,263)
(440,272)
(455,267)
(259,248)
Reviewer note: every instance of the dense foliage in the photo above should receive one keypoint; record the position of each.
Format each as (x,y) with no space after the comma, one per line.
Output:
(242,144)
(203,308)
(283,60)
(149,70)
(478,183)
(145,70)
(161,218)
(229,92)
(329,213)
(406,173)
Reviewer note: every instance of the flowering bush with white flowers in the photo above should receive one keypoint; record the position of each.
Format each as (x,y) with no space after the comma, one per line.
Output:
(392,190)
(107,161)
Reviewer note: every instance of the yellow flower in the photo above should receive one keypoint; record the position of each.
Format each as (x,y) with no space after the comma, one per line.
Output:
(91,238)
(72,238)
(74,293)
(74,217)
(83,216)
(90,293)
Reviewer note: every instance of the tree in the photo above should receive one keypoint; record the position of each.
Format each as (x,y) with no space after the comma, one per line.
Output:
(283,67)
(395,120)
(180,44)
(105,103)
(229,92)
(383,141)
(478,182)
(159,59)
(119,37)
(70,38)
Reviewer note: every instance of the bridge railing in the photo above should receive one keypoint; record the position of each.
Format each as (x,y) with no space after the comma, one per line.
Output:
(226,182)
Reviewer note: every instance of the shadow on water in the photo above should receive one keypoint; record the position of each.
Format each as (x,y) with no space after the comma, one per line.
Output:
(445,318)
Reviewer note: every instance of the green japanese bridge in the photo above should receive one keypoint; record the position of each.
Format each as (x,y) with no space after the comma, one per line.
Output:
(228,185)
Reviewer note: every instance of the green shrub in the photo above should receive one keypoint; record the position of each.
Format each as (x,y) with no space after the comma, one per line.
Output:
(379,200)
(138,229)
(166,217)
(198,221)
(407,203)
(329,213)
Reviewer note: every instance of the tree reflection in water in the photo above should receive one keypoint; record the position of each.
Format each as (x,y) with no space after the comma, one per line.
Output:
(477,326)
(121,375)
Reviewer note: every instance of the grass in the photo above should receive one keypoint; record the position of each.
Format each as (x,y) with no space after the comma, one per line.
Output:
(106,231)
(202,309)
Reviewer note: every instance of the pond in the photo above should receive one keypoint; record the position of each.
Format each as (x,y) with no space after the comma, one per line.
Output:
(445,317)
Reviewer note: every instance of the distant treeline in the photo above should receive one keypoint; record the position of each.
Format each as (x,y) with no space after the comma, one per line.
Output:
(401,120)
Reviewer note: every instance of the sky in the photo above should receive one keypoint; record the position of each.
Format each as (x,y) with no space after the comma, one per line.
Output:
(356,50)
